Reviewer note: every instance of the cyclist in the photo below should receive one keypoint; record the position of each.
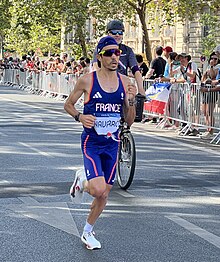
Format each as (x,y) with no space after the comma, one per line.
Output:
(106,94)
(115,28)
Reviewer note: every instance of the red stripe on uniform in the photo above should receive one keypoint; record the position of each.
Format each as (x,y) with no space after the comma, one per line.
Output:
(113,169)
(93,162)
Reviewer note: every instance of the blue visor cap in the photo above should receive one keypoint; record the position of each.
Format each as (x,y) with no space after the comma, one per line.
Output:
(105,41)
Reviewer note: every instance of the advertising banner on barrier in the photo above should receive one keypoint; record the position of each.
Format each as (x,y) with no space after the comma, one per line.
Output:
(157,97)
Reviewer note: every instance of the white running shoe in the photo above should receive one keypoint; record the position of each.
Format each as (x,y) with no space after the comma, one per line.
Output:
(206,135)
(90,241)
(76,190)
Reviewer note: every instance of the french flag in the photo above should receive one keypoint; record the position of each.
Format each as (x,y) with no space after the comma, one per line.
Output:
(157,97)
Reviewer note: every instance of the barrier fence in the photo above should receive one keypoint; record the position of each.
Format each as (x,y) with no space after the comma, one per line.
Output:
(186,103)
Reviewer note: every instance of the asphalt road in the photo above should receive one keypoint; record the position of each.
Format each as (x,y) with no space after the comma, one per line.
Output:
(169,214)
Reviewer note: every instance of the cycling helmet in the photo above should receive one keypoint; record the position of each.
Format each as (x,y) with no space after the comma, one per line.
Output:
(115,25)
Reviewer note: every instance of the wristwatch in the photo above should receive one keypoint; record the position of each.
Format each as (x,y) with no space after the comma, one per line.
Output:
(77,117)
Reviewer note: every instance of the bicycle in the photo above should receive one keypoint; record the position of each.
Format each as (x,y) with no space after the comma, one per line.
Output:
(126,157)
(127,151)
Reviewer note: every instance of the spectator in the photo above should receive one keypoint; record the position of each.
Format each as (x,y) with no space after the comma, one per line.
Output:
(23,62)
(209,99)
(86,68)
(59,65)
(2,67)
(51,66)
(172,69)
(142,65)
(217,51)
(64,58)
(188,68)
(189,71)
(167,50)
(157,65)
(70,66)
(171,65)
(30,63)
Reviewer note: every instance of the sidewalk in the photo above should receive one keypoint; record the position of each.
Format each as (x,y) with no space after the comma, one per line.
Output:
(153,129)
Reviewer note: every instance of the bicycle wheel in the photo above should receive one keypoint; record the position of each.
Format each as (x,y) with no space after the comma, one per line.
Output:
(126,160)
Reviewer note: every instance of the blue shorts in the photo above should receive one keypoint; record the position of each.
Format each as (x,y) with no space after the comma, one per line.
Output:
(100,157)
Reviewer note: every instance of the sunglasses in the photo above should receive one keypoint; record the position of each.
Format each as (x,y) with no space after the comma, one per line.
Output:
(116,32)
(110,52)
(214,58)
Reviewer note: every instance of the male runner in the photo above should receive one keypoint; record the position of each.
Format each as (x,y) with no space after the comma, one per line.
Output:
(107,94)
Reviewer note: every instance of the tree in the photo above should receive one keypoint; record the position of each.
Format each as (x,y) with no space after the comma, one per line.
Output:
(210,24)
(74,16)
(32,26)
(124,10)
(4,21)
(173,11)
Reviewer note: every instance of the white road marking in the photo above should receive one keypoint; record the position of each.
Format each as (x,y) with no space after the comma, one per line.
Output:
(29,200)
(32,106)
(211,238)
(179,177)
(215,189)
(3,134)
(36,150)
(125,194)
(4,182)
(53,214)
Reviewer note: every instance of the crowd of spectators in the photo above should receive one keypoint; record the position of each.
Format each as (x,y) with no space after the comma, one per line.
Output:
(56,63)
(169,66)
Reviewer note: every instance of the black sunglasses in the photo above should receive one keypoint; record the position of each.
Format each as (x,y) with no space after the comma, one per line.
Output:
(110,52)
(214,58)
(116,32)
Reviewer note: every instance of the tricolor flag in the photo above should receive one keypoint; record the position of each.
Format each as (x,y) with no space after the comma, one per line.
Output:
(157,97)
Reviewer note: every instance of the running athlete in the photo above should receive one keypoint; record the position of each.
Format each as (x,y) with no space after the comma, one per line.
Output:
(115,28)
(107,94)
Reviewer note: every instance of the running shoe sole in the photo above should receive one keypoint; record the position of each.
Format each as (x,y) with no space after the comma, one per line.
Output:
(76,195)
(88,246)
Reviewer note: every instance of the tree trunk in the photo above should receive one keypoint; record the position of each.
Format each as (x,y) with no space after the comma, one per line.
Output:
(82,41)
(83,46)
(63,34)
(1,46)
(141,14)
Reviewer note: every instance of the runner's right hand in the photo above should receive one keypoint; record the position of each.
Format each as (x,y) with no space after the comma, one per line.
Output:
(88,121)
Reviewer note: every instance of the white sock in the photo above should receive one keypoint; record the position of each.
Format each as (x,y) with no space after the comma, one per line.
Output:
(88,227)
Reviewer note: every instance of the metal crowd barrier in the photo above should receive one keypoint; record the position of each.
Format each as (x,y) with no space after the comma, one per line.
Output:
(44,83)
(186,103)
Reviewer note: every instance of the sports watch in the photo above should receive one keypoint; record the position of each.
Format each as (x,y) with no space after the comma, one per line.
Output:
(77,117)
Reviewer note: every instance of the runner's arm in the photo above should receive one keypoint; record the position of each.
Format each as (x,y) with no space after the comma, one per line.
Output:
(79,89)
(129,109)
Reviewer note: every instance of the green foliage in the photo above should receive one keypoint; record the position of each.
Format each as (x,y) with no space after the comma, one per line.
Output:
(75,50)
(107,10)
(211,23)
(5,16)
(31,24)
